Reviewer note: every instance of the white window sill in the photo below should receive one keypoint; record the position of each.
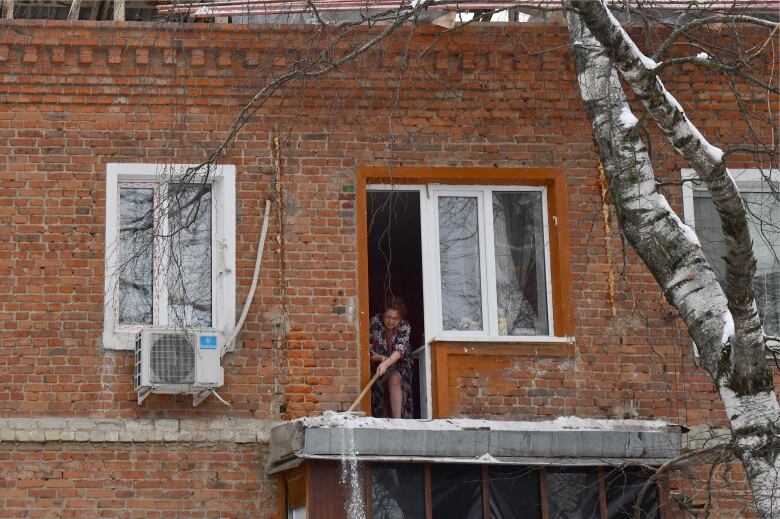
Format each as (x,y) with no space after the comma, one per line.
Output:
(517,339)
(124,339)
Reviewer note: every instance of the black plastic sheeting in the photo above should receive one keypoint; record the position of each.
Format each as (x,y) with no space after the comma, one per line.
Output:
(397,491)
(573,493)
(456,491)
(514,492)
(623,488)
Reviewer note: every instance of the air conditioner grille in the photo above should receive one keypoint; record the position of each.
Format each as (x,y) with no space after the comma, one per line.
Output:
(171,359)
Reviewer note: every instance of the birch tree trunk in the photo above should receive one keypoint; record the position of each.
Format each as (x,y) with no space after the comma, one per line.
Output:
(724,324)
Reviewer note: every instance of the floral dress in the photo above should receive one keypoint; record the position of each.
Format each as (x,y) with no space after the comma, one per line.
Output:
(399,341)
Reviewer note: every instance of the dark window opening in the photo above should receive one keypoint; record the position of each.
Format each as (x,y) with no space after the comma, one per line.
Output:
(514,492)
(573,493)
(395,263)
(471,491)
(623,486)
(456,491)
(398,491)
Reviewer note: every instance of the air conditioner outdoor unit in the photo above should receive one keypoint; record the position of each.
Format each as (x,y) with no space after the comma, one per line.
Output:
(177,362)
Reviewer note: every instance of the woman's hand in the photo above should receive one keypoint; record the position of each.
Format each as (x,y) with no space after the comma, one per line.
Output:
(387,362)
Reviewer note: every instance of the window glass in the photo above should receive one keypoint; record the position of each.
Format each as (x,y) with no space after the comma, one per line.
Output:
(189,271)
(397,491)
(763,221)
(136,232)
(520,263)
(623,487)
(456,491)
(514,492)
(572,493)
(461,282)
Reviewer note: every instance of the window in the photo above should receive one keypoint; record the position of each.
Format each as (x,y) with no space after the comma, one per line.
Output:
(491,273)
(472,491)
(170,250)
(479,255)
(493,261)
(763,211)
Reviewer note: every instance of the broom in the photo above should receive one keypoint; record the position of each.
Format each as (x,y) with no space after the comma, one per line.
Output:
(363,393)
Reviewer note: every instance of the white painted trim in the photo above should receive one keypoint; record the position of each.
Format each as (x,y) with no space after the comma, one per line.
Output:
(431,275)
(750,180)
(518,339)
(223,182)
(547,262)
(490,266)
(460,191)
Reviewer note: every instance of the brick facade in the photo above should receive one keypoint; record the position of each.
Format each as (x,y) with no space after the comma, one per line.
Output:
(79,95)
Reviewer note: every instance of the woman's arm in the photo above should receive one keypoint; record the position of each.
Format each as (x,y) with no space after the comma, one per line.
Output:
(389,361)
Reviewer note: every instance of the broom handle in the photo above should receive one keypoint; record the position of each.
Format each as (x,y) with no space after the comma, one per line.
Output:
(363,393)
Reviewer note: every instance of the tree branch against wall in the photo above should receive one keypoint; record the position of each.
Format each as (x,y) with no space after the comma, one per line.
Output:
(724,323)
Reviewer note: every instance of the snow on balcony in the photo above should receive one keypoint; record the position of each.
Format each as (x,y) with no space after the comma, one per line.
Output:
(564,441)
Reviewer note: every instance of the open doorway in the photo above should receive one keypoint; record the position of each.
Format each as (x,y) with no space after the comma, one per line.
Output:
(395,262)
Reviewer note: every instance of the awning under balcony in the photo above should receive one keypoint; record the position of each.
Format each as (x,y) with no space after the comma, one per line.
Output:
(564,441)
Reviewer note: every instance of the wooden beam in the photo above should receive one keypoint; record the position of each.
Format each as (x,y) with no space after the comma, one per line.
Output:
(602,493)
(8,9)
(543,493)
(485,493)
(119,10)
(75,7)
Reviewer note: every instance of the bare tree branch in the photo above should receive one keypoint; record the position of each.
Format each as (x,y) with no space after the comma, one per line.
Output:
(710,20)
(732,348)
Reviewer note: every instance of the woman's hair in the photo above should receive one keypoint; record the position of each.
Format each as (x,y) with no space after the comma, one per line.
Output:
(397,304)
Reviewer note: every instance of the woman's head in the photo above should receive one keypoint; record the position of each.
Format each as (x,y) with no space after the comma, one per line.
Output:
(395,310)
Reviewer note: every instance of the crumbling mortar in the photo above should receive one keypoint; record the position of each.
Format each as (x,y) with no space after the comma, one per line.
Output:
(604,185)
(278,405)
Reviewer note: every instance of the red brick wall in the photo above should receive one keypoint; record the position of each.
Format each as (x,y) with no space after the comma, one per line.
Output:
(124,480)
(77,96)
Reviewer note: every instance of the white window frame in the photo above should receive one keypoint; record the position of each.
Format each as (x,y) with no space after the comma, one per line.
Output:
(223,258)
(429,234)
(750,180)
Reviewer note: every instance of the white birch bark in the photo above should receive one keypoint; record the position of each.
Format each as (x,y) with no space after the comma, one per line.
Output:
(725,326)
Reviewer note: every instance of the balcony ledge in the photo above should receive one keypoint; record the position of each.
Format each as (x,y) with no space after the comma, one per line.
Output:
(564,441)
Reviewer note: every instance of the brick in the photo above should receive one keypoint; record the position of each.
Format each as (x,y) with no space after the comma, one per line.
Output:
(64,118)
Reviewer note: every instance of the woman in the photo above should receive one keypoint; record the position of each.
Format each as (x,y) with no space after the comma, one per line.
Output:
(391,396)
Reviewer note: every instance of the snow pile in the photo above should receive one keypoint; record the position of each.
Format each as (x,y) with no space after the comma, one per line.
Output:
(728,327)
(348,421)
(627,119)
(648,63)
(689,233)
(713,151)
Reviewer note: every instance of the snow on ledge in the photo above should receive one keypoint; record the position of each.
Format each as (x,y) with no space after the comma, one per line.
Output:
(335,420)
